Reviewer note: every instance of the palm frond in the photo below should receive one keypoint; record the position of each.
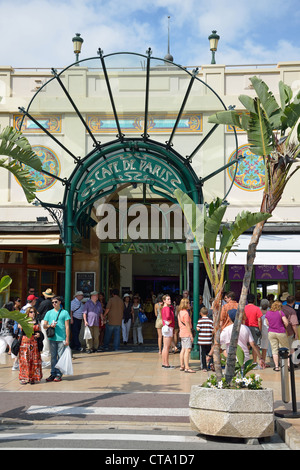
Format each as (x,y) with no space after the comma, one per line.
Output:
(14,145)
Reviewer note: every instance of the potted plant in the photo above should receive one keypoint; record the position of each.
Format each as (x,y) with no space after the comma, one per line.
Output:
(242,409)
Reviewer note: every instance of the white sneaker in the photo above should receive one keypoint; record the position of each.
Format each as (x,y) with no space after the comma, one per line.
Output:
(15,366)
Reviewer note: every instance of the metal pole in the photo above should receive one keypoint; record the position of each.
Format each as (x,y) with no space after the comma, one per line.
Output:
(196,271)
(69,254)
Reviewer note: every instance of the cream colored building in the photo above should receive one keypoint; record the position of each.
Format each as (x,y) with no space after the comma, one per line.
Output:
(31,249)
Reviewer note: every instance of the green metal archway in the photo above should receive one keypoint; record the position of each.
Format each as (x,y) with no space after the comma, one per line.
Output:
(125,159)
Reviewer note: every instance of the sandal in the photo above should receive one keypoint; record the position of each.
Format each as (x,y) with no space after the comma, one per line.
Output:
(277,369)
(190,371)
(23,382)
(182,369)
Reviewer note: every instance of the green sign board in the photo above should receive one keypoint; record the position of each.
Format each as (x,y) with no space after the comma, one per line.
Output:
(134,248)
(130,167)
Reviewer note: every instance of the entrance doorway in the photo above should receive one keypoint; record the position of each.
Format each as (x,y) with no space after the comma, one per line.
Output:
(271,287)
(144,285)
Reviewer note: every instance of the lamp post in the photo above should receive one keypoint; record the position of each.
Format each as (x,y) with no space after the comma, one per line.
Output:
(77,43)
(213,43)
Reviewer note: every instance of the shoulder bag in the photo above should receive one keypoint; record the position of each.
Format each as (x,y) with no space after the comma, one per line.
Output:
(51,329)
(284,319)
(194,332)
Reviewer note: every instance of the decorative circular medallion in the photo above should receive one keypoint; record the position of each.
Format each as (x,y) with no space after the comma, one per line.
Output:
(50,163)
(250,175)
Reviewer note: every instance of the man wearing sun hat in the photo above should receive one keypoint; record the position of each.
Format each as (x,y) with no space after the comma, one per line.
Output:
(284,297)
(92,316)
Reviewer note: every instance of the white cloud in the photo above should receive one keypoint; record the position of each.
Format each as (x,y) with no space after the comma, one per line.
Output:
(39,32)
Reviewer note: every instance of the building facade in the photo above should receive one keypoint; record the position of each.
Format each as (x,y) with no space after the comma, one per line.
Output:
(116,135)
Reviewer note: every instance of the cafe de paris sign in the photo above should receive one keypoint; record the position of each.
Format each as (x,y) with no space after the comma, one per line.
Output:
(129,167)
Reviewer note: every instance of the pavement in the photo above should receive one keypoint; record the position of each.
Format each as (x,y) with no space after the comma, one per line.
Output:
(138,369)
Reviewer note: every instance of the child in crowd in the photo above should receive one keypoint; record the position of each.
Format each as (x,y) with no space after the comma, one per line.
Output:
(205,327)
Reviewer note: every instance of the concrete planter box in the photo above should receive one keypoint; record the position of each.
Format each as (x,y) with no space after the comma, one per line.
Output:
(232,413)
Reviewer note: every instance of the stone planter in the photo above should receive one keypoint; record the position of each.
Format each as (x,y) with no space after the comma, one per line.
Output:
(232,413)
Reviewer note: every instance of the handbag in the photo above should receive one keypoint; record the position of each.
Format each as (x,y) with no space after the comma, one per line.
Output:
(50,332)
(166,330)
(159,322)
(87,333)
(142,317)
(194,332)
(284,320)
(64,363)
(15,347)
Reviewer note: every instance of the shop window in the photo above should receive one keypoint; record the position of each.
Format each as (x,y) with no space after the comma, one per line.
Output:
(45,258)
(15,288)
(33,280)
(47,280)
(10,257)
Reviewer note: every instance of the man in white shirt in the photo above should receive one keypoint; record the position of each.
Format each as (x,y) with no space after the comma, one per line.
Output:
(245,338)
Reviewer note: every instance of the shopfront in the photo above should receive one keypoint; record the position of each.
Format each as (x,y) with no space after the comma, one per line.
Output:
(144,268)
(276,266)
(32,267)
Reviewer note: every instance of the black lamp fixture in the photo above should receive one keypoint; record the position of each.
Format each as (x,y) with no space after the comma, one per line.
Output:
(213,44)
(77,43)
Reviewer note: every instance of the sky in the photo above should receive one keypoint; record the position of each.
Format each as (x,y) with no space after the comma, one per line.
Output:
(38,33)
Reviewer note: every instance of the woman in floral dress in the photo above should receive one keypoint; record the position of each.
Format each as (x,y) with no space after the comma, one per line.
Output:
(29,354)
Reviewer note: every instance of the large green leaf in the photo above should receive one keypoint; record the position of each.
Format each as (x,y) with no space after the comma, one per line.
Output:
(212,226)
(5,281)
(285,93)
(230,118)
(260,135)
(25,322)
(243,222)
(291,113)
(23,177)
(268,102)
(193,214)
(13,144)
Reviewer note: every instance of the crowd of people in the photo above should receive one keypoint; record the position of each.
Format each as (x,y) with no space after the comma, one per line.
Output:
(92,323)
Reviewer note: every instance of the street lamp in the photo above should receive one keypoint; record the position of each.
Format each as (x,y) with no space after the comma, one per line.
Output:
(77,43)
(213,43)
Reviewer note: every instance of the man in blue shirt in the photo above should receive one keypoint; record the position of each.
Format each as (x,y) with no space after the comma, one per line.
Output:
(60,320)
(77,308)
(93,316)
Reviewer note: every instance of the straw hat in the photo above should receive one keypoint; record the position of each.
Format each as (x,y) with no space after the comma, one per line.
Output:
(79,292)
(48,294)
(284,296)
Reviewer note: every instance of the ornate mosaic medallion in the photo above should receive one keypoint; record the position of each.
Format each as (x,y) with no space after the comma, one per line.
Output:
(250,175)
(50,163)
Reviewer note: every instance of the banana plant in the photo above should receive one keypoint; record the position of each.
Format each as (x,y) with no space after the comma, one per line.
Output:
(17,316)
(15,146)
(273,132)
(215,242)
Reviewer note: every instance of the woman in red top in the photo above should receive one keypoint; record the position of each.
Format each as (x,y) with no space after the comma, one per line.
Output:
(167,315)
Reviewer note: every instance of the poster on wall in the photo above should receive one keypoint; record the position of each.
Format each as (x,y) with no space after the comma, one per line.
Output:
(271,272)
(85,282)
